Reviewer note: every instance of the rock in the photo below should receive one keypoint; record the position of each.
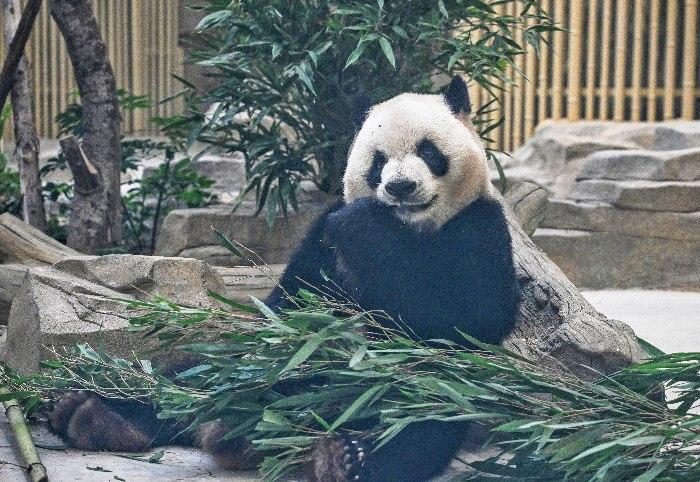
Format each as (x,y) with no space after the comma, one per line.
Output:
(181,280)
(75,301)
(602,217)
(55,309)
(674,196)
(11,277)
(559,149)
(189,232)
(603,260)
(242,282)
(681,165)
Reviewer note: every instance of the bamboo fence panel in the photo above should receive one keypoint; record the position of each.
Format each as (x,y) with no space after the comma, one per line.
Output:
(617,60)
(142,42)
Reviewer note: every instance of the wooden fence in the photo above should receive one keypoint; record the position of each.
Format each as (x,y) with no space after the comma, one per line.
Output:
(618,59)
(622,60)
(142,40)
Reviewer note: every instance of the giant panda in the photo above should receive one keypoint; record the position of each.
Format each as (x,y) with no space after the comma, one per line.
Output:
(419,236)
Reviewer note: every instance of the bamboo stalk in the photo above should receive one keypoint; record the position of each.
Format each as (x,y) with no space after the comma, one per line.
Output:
(605,60)
(543,72)
(670,60)
(690,58)
(530,59)
(25,444)
(590,58)
(558,68)
(622,9)
(637,57)
(518,91)
(653,64)
(573,109)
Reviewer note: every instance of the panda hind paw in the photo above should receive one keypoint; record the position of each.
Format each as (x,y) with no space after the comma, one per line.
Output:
(340,459)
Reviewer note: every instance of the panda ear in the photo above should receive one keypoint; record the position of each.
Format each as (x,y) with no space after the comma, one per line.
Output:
(361,106)
(457,96)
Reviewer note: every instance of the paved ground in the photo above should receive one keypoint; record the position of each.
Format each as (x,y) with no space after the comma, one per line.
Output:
(670,320)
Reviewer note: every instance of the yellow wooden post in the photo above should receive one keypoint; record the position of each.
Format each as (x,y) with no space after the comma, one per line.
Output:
(543,87)
(690,58)
(670,58)
(558,60)
(653,64)
(575,59)
(591,48)
(606,25)
(530,71)
(637,57)
(621,54)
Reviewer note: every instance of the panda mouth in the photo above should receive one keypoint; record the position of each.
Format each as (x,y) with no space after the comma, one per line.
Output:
(415,208)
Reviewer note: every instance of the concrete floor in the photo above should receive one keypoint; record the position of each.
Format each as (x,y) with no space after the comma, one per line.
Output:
(669,320)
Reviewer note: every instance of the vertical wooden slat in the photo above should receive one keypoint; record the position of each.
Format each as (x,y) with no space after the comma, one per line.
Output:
(653,63)
(591,48)
(637,59)
(575,59)
(670,58)
(518,90)
(559,58)
(621,54)
(508,97)
(543,76)
(690,59)
(605,60)
(530,81)
(137,51)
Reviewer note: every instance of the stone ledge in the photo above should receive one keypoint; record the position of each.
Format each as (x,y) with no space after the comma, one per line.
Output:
(604,260)
(566,214)
(679,165)
(672,196)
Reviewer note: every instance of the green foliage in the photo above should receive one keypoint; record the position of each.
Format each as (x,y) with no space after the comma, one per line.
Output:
(171,185)
(148,199)
(551,426)
(288,73)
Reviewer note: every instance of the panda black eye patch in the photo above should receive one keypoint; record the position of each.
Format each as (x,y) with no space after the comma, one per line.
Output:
(433,157)
(374,175)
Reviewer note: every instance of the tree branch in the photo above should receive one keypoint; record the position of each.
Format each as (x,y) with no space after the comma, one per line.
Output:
(16,49)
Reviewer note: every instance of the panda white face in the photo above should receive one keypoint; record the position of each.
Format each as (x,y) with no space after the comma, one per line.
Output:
(416,153)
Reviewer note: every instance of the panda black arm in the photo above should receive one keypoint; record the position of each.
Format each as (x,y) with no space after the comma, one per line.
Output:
(478,255)
(304,269)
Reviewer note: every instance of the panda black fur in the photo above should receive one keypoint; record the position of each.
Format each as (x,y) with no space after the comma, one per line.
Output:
(421,238)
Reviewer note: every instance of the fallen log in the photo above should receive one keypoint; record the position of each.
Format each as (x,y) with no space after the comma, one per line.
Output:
(22,243)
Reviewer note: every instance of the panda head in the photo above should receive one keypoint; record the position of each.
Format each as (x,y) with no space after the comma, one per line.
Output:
(420,154)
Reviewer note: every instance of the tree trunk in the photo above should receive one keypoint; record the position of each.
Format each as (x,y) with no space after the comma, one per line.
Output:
(96,216)
(26,138)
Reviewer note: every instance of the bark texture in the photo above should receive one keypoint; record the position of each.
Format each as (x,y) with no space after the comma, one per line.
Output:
(95,220)
(22,243)
(556,325)
(26,138)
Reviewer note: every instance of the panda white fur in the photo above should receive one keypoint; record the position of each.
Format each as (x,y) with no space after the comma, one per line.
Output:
(419,236)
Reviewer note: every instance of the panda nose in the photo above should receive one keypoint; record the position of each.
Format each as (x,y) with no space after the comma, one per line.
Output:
(400,189)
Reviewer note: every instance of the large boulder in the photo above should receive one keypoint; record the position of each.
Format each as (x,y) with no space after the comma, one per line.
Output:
(78,301)
(190,232)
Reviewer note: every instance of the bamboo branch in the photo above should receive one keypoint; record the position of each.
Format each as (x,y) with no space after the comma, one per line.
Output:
(15,51)
(25,444)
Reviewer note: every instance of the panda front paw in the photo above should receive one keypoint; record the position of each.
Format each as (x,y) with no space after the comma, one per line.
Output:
(340,459)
